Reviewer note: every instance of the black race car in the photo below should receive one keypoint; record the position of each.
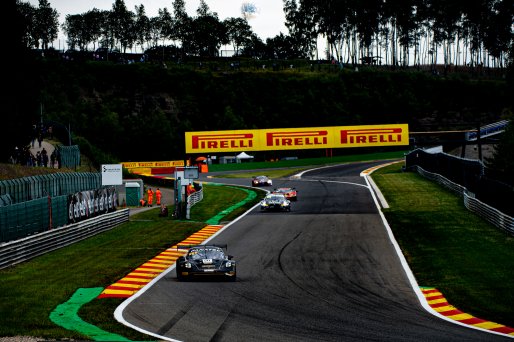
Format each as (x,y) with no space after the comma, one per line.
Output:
(206,261)
(275,201)
(261,181)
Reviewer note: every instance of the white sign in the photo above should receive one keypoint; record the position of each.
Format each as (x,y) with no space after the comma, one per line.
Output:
(179,174)
(191,172)
(112,174)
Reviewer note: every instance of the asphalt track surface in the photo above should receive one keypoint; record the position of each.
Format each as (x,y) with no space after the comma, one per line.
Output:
(326,271)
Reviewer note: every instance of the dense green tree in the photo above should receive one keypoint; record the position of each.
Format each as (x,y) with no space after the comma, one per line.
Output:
(27,16)
(207,32)
(142,27)
(20,97)
(301,26)
(123,24)
(166,24)
(239,32)
(75,28)
(46,24)
(183,24)
(282,47)
(254,47)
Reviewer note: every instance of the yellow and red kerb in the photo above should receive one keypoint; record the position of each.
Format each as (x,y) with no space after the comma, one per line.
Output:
(437,302)
(144,274)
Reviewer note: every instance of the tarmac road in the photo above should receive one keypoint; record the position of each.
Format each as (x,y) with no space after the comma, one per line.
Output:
(326,271)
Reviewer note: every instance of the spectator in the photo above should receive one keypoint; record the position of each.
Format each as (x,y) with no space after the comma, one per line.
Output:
(40,139)
(39,159)
(53,158)
(44,157)
(34,134)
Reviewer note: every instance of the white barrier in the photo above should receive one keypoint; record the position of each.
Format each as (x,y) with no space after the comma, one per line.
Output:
(490,214)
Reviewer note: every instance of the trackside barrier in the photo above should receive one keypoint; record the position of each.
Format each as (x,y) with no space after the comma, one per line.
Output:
(488,185)
(192,199)
(14,252)
(490,214)
(31,217)
(55,184)
(195,197)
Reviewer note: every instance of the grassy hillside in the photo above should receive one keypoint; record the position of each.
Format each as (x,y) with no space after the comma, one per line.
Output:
(141,111)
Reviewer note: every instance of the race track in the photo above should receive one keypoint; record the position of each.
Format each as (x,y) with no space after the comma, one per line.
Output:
(326,271)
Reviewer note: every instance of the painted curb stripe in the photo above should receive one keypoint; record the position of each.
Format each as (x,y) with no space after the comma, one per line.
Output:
(437,302)
(137,279)
(66,315)
(250,196)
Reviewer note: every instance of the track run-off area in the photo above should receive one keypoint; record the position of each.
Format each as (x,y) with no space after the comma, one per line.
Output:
(329,270)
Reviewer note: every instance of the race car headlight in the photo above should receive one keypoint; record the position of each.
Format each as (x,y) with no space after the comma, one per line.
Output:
(264,204)
(187,265)
(228,264)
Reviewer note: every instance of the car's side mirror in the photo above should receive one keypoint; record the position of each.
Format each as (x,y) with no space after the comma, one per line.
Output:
(230,257)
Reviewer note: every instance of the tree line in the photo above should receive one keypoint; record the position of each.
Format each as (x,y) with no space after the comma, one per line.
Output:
(120,28)
(406,31)
(392,32)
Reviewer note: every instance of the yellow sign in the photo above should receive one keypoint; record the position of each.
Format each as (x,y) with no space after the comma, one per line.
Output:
(134,165)
(297,138)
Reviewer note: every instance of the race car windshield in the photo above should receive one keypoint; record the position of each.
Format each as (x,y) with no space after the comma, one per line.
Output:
(276,198)
(206,253)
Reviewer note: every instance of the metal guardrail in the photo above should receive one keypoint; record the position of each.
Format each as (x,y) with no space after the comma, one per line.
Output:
(14,252)
(192,199)
(490,214)
(195,197)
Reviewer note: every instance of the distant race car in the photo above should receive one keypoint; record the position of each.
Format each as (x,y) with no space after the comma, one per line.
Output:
(290,193)
(275,201)
(261,181)
(206,261)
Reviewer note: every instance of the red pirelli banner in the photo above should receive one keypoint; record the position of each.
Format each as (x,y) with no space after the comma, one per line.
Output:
(134,165)
(297,138)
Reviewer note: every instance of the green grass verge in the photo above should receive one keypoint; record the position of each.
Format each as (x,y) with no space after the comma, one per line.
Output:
(449,247)
(305,163)
(29,292)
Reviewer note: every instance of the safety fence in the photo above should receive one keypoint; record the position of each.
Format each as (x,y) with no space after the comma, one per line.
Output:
(195,197)
(192,199)
(490,214)
(56,184)
(21,250)
(31,217)
(489,186)
(31,205)
(22,219)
